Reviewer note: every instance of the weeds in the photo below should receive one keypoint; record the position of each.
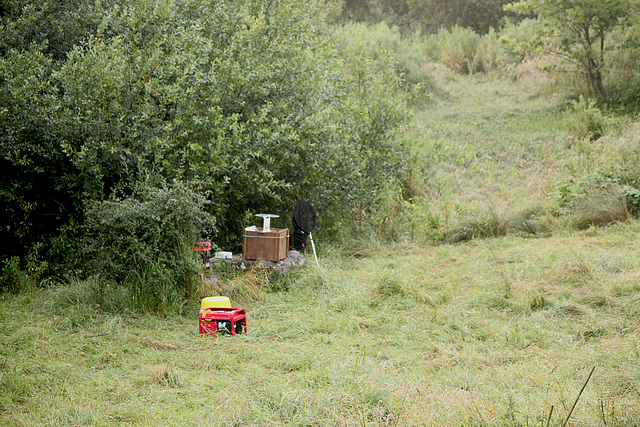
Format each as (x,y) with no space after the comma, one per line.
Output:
(18,276)
(588,120)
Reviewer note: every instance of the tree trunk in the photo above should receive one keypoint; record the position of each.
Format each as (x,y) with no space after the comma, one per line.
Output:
(595,77)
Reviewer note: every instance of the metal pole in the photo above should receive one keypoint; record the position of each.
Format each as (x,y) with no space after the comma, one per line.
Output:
(314,250)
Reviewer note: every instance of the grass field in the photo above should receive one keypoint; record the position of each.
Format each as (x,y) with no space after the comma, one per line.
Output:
(491,332)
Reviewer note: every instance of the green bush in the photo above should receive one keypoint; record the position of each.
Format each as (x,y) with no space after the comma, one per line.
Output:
(253,102)
(587,120)
(24,274)
(14,278)
(623,73)
(465,51)
(142,245)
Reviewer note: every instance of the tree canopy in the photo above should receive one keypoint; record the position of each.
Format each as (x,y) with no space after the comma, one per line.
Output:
(577,30)
(428,16)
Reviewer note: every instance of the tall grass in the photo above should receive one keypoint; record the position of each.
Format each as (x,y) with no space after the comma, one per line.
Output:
(417,57)
(465,51)
(491,147)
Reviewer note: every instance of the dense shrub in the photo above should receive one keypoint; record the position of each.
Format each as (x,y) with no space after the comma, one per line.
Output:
(142,245)
(251,102)
(17,276)
(587,119)
(428,16)
(465,51)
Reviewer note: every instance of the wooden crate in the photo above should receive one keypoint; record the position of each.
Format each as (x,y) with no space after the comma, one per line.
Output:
(270,246)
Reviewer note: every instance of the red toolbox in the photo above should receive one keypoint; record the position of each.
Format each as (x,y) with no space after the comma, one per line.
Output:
(214,320)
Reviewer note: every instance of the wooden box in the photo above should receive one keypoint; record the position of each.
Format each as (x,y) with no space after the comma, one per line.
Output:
(270,246)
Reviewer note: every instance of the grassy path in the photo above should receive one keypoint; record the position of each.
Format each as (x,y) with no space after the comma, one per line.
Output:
(491,144)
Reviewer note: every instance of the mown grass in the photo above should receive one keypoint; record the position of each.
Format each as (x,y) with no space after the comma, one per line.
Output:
(490,332)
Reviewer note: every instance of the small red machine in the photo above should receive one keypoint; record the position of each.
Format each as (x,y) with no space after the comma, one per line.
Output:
(215,320)
(205,248)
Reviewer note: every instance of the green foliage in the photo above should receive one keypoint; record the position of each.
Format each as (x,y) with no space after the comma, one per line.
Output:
(587,120)
(517,37)
(386,45)
(465,51)
(427,16)
(141,245)
(349,163)
(462,49)
(250,102)
(38,185)
(55,25)
(14,278)
(632,198)
(578,31)
(623,74)
(24,275)
(595,199)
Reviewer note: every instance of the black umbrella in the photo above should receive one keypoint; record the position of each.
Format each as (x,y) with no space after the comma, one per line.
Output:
(304,222)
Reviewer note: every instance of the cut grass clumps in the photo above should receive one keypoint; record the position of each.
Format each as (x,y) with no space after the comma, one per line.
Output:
(573,310)
(574,272)
(494,302)
(390,286)
(164,375)
(531,221)
(489,225)
(600,209)
(531,301)
(528,222)
(595,300)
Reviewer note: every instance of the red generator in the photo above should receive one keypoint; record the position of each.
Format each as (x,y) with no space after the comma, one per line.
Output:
(215,320)
(205,248)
